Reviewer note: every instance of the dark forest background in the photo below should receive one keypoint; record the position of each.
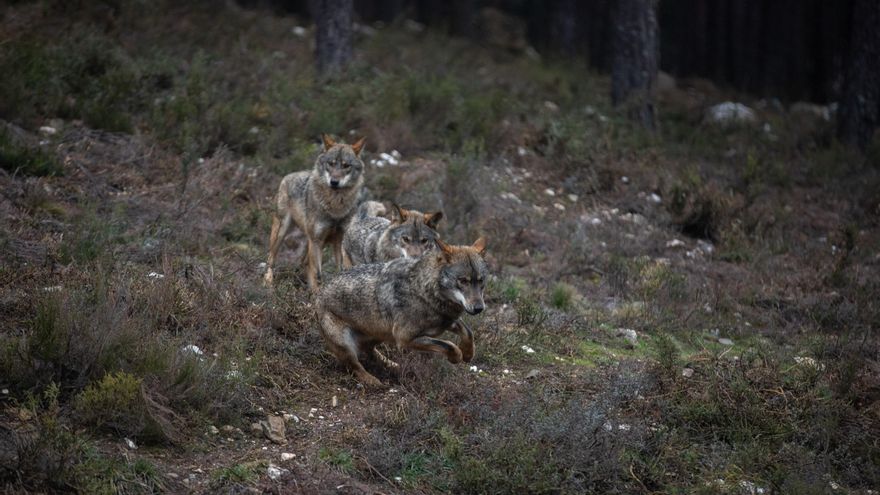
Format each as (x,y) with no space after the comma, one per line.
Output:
(789,49)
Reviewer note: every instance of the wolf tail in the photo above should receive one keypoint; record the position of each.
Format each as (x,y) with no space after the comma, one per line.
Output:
(371,209)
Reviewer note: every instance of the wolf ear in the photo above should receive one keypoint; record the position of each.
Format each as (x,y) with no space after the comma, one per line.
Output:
(446,250)
(398,214)
(359,145)
(480,245)
(328,141)
(433,219)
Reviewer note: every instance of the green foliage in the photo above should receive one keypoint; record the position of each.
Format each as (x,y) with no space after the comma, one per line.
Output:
(562,296)
(338,458)
(19,159)
(238,474)
(116,401)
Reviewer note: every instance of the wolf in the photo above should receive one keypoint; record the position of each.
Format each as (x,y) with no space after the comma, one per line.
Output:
(408,302)
(373,239)
(321,202)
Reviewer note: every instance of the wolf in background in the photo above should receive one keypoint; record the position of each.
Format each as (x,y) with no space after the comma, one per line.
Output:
(408,302)
(321,202)
(373,239)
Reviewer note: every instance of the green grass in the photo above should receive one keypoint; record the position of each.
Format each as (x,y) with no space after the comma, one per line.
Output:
(18,159)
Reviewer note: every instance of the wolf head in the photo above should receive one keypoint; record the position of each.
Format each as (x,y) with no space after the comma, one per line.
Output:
(412,233)
(339,165)
(463,274)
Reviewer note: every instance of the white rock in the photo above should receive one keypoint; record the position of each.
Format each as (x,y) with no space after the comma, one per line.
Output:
(655,198)
(674,243)
(624,179)
(274,471)
(624,427)
(54,288)
(48,130)
(809,362)
(5,391)
(312,412)
(549,192)
(213,430)
(687,372)
(595,221)
(629,334)
(506,371)
(299,31)
(130,444)
(725,341)
(286,456)
(193,349)
(474,369)
(559,206)
(395,154)
(573,198)
(521,151)
(528,349)
(155,275)
(729,113)
(549,105)
(334,402)
(415,27)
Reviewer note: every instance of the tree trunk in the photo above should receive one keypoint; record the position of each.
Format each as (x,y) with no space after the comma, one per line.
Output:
(635,58)
(860,101)
(333,34)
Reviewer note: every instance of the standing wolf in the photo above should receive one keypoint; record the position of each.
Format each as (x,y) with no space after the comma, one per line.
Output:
(373,239)
(406,301)
(320,202)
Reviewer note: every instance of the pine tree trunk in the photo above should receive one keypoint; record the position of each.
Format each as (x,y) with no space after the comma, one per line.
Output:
(860,102)
(333,35)
(635,58)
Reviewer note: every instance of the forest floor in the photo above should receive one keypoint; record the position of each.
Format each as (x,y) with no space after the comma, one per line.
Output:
(690,311)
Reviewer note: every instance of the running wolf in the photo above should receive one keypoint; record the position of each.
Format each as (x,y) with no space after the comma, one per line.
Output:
(408,302)
(321,202)
(373,239)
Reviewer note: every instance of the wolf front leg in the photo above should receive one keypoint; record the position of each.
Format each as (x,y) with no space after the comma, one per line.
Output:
(440,346)
(313,270)
(280,226)
(467,339)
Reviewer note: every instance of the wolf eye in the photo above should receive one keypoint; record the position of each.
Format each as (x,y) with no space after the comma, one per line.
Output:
(405,239)
(346,165)
(424,240)
(463,281)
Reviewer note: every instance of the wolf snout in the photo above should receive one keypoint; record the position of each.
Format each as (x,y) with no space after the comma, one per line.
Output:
(334,183)
(476,309)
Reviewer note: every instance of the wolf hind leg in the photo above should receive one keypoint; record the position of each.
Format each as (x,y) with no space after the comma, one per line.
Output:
(343,343)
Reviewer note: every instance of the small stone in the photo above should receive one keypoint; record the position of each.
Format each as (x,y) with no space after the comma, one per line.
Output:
(629,334)
(312,412)
(228,429)
(48,130)
(725,341)
(506,371)
(275,472)
(274,429)
(655,198)
(5,391)
(527,349)
(687,372)
(334,402)
(595,221)
(532,374)
(559,206)
(213,430)
(674,243)
(573,198)
(549,192)
(299,31)
(194,349)
(624,179)
(130,444)
(286,456)
(549,105)
(155,275)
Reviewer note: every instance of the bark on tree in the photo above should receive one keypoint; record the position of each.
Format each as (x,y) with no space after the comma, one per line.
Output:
(635,58)
(860,102)
(333,34)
